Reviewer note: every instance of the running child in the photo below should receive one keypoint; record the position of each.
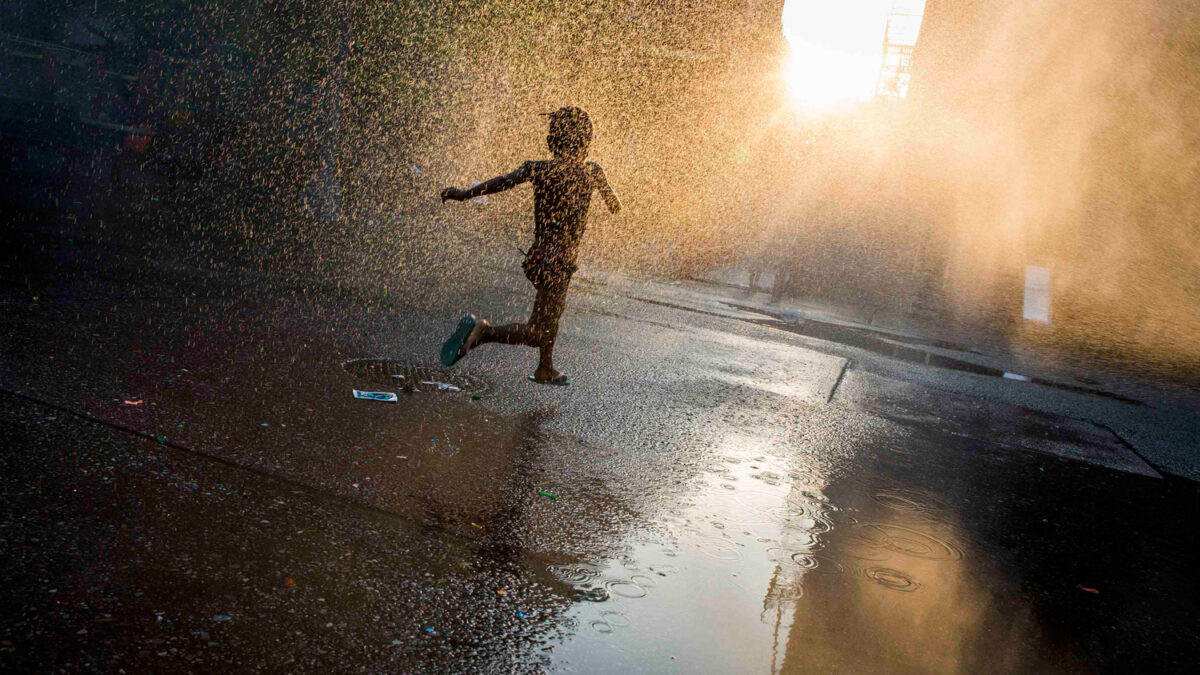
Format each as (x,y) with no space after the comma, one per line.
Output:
(562,194)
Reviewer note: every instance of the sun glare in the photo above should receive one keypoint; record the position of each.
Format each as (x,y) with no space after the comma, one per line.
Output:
(836,50)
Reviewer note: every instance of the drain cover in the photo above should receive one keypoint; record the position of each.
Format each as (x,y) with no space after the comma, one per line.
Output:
(408,375)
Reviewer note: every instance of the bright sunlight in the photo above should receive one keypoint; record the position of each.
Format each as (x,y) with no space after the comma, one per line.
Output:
(837,49)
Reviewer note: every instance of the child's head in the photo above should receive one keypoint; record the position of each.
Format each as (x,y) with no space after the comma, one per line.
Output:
(570,133)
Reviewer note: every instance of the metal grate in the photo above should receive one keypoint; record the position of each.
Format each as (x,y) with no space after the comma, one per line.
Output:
(407,375)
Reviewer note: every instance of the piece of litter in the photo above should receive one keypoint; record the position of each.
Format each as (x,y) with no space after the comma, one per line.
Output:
(547,494)
(263,424)
(442,386)
(354,485)
(289,583)
(1089,590)
(385,396)
(477,525)
(521,615)
(137,402)
(161,438)
(434,440)
(429,630)
(179,426)
(502,592)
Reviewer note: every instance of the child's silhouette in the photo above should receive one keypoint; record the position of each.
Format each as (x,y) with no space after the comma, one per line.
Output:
(562,193)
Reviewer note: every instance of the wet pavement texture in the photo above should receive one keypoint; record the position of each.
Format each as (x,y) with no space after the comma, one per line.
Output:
(190,484)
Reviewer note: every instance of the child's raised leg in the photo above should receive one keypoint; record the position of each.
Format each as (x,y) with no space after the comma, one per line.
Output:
(541,330)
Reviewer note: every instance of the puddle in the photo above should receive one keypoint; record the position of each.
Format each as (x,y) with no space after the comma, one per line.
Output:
(734,555)
(773,563)
(408,376)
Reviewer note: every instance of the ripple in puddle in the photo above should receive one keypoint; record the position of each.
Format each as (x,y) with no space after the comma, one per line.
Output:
(818,563)
(592,594)
(903,500)
(643,580)
(814,524)
(872,554)
(804,541)
(908,541)
(615,618)
(625,588)
(891,579)
(720,549)
(786,592)
(781,514)
(575,574)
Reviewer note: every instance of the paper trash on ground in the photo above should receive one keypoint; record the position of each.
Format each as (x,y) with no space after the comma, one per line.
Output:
(376,396)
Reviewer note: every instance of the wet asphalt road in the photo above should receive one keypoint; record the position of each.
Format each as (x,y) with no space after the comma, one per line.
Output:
(711,494)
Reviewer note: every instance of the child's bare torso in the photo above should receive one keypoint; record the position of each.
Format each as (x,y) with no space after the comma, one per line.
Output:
(562,195)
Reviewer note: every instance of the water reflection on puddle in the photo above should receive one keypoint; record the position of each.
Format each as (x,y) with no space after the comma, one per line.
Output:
(765,560)
(715,593)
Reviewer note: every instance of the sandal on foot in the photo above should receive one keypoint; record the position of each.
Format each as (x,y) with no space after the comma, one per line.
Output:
(560,380)
(453,349)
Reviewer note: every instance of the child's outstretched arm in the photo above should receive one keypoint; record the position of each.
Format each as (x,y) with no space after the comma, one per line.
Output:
(601,182)
(490,186)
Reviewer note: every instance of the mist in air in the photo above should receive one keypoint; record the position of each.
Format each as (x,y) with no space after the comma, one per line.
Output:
(739,133)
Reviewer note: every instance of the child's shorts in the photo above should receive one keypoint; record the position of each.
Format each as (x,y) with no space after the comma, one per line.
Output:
(544,271)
